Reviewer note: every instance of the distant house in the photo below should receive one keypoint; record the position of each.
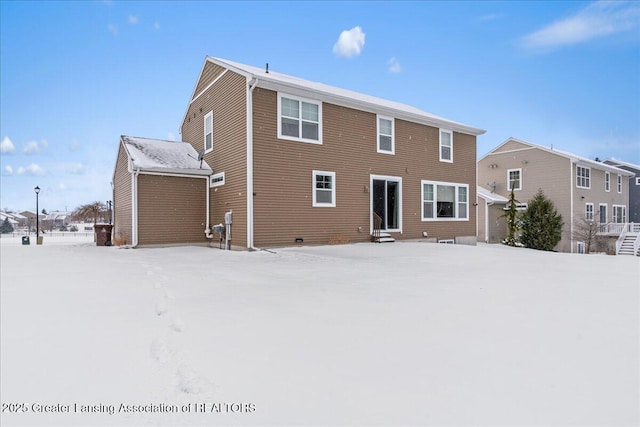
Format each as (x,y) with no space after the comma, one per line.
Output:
(55,219)
(634,187)
(578,187)
(297,161)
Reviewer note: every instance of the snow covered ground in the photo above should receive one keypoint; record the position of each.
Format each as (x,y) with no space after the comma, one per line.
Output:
(406,333)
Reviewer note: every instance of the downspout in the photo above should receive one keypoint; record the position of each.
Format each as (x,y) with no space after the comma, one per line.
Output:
(486,220)
(571,169)
(134,208)
(250,88)
(207,230)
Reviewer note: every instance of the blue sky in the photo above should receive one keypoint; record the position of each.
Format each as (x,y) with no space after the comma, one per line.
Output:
(74,76)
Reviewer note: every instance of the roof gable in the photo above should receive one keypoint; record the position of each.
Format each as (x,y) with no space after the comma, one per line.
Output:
(331,94)
(513,144)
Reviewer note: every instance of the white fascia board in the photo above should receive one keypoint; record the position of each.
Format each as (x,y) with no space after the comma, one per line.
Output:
(366,106)
(204,173)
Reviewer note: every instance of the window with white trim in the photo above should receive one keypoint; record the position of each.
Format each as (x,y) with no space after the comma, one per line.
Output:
(637,181)
(514,179)
(607,182)
(324,189)
(208,132)
(216,180)
(602,207)
(445,201)
(446,145)
(583,177)
(619,183)
(619,214)
(299,119)
(588,211)
(581,247)
(386,143)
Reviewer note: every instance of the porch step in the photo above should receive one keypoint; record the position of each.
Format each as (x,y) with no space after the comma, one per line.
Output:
(626,248)
(383,238)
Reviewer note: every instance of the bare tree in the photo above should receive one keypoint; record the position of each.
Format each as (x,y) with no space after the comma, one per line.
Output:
(586,230)
(92,212)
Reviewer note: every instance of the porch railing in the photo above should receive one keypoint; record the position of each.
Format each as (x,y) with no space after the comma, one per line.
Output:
(377,226)
(618,228)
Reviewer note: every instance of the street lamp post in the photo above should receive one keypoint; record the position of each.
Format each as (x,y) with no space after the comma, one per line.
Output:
(37,190)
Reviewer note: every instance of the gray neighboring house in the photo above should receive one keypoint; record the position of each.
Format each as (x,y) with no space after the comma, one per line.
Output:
(579,188)
(634,187)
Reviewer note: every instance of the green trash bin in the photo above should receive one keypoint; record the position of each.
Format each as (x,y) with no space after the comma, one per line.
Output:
(25,240)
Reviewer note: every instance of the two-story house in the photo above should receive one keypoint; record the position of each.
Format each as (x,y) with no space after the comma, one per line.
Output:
(578,187)
(297,161)
(634,187)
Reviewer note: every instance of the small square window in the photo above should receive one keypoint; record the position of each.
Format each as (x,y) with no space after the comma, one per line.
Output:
(324,189)
(514,179)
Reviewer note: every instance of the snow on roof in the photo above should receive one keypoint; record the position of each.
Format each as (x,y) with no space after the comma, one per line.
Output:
(620,163)
(345,97)
(573,157)
(155,155)
(491,197)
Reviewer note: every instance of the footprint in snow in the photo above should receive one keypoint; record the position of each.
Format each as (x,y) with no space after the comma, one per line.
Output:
(159,350)
(177,324)
(161,308)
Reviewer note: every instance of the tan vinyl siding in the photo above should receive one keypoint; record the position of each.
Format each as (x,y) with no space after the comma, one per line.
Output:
(209,73)
(227,99)
(122,199)
(171,210)
(510,146)
(283,176)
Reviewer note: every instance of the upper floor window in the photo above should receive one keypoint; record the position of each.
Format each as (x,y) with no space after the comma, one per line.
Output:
(607,181)
(324,189)
(619,183)
(514,179)
(385,135)
(208,132)
(638,181)
(444,201)
(588,211)
(299,119)
(583,177)
(446,146)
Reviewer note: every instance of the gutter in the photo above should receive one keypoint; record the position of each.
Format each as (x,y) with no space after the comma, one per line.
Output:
(134,208)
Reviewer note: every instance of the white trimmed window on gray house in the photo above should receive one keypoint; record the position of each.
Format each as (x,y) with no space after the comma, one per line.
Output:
(299,119)
(619,183)
(446,146)
(324,189)
(583,177)
(603,212)
(619,214)
(445,201)
(607,181)
(514,179)
(208,132)
(386,143)
(588,211)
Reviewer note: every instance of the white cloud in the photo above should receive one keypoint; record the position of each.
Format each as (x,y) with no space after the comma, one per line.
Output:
(35,147)
(133,20)
(77,169)
(599,19)
(490,17)
(6,146)
(394,65)
(8,170)
(156,25)
(33,169)
(113,29)
(349,43)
